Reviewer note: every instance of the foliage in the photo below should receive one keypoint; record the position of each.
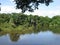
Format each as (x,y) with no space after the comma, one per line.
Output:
(19,21)
(16,24)
(30,5)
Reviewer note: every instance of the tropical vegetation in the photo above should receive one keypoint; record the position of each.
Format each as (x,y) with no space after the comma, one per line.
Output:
(19,21)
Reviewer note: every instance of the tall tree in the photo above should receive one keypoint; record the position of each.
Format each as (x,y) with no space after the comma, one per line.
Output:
(30,5)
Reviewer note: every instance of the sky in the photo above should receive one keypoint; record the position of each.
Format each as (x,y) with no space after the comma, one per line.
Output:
(8,6)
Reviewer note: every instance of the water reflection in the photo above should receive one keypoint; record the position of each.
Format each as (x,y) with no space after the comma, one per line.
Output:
(14,36)
(44,36)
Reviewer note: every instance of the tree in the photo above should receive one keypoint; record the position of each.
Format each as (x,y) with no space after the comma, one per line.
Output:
(55,21)
(4,18)
(30,5)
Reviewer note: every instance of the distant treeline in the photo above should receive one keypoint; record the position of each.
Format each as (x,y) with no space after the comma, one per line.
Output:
(18,19)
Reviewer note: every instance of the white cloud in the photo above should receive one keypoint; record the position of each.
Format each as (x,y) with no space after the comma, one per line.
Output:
(9,9)
(40,12)
(11,0)
(49,13)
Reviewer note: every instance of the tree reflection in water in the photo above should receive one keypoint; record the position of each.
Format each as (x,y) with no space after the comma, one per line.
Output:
(15,35)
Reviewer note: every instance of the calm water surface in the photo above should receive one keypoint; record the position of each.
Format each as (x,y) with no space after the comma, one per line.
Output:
(41,38)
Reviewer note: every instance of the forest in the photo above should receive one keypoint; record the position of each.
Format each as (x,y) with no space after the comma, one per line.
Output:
(22,22)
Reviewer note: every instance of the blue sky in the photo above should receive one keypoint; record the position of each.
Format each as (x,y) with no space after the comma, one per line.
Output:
(8,6)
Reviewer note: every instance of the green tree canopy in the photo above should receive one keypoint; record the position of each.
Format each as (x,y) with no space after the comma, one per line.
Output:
(30,5)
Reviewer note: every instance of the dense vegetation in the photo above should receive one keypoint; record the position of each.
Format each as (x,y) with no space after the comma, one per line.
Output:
(19,21)
(17,24)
